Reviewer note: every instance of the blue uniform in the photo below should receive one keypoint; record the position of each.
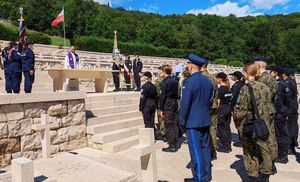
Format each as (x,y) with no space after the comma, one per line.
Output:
(195,106)
(28,61)
(15,71)
(6,65)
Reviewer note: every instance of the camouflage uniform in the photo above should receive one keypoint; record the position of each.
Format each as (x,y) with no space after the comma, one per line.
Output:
(213,115)
(161,123)
(257,157)
(268,80)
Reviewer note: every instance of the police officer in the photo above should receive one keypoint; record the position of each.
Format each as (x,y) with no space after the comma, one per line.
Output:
(236,77)
(28,61)
(148,101)
(282,100)
(161,124)
(127,72)
(15,68)
(224,112)
(257,164)
(213,113)
(195,106)
(168,105)
(116,76)
(292,120)
(267,79)
(137,69)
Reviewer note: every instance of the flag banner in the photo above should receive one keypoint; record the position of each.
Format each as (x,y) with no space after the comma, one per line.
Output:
(58,19)
(22,34)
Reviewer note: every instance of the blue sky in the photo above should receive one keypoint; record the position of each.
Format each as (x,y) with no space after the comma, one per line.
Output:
(219,7)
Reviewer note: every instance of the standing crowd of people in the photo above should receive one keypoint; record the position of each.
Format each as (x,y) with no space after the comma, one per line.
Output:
(15,60)
(262,104)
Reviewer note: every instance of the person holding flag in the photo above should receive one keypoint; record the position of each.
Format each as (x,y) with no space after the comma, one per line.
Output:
(22,32)
(127,71)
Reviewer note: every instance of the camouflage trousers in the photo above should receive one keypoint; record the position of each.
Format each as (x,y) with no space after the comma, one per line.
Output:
(257,155)
(161,123)
(213,130)
(272,141)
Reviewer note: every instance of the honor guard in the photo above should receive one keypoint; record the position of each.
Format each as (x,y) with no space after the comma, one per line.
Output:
(28,61)
(15,69)
(127,72)
(194,116)
(148,101)
(137,69)
(116,76)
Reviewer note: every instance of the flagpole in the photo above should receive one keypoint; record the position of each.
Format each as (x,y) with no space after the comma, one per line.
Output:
(64,29)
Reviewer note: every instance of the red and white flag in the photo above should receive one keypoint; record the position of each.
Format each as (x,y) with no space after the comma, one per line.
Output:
(58,19)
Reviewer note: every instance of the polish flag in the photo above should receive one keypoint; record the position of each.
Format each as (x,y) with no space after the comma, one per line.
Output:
(58,19)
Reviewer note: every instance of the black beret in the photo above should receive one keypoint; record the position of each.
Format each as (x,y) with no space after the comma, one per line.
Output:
(13,43)
(237,74)
(263,59)
(277,69)
(148,74)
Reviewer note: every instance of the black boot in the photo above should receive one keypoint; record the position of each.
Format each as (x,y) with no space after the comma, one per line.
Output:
(224,149)
(213,155)
(264,178)
(282,159)
(274,169)
(170,148)
(252,179)
(190,180)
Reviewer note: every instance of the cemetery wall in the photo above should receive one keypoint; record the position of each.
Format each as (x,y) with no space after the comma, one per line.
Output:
(18,113)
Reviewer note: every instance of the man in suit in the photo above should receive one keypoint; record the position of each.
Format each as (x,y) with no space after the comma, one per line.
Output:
(194,116)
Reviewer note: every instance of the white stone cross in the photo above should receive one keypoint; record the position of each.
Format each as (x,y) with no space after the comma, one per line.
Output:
(45,127)
(147,152)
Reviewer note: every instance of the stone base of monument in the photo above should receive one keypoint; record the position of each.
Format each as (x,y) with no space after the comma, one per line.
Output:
(113,121)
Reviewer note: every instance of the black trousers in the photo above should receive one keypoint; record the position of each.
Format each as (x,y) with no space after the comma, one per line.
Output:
(127,80)
(29,79)
(137,80)
(224,119)
(171,127)
(149,117)
(282,137)
(293,129)
(116,80)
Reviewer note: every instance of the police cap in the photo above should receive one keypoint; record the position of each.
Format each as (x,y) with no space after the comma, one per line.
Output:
(13,43)
(221,75)
(147,74)
(196,59)
(237,74)
(277,69)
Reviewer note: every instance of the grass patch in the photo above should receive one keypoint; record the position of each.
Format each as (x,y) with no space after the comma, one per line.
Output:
(58,41)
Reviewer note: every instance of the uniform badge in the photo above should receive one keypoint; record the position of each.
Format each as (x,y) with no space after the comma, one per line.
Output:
(287,89)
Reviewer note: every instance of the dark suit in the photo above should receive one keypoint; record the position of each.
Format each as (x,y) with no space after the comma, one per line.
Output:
(15,71)
(137,69)
(194,115)
(28,61)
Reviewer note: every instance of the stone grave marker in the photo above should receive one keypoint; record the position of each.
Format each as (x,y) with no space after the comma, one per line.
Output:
(147,152)
(45,127)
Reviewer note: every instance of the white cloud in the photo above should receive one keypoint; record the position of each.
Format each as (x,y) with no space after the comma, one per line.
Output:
(149,8)
(268,4)
(225,9)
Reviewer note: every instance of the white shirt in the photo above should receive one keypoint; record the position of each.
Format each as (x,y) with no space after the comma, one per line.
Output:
(178,68)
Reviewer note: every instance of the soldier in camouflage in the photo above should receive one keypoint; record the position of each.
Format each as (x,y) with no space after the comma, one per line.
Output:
(267,79)
(161,124)
(213,114)
(257,158)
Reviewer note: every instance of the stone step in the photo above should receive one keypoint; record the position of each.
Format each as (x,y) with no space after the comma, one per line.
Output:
(111,110)
(121,145)
(110,103)
(95,97)
(116,135)
(116,125)
(112,117)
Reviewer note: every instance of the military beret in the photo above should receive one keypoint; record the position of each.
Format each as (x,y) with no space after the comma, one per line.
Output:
(196,59)
(147,74)
(288,71)
(13,43)
(237,74)
(221,75)
(27,43)
(263,59)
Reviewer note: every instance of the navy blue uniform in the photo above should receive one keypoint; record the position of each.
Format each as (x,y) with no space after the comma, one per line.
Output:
(15,71)
(282,100)
(148,104)
(137,69)
(8,82)
(28,61)
(194,115)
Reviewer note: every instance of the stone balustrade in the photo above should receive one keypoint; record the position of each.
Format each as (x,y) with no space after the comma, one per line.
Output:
(18,113)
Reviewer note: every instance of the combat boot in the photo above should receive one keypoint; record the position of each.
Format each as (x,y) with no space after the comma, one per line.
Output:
(170,148)
(264,178)
(224,149)
(282,159)
(190,180)
(252,179)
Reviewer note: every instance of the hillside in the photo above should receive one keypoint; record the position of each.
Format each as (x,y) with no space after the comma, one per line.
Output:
(213,37)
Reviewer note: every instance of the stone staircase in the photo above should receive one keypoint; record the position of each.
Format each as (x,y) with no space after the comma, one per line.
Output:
(113,120)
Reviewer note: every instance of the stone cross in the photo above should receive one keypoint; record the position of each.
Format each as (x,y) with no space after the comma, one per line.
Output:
(22,170)
(45,127)
(147,152)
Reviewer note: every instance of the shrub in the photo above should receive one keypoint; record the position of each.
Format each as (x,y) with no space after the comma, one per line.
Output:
(236,63)
(221,61)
